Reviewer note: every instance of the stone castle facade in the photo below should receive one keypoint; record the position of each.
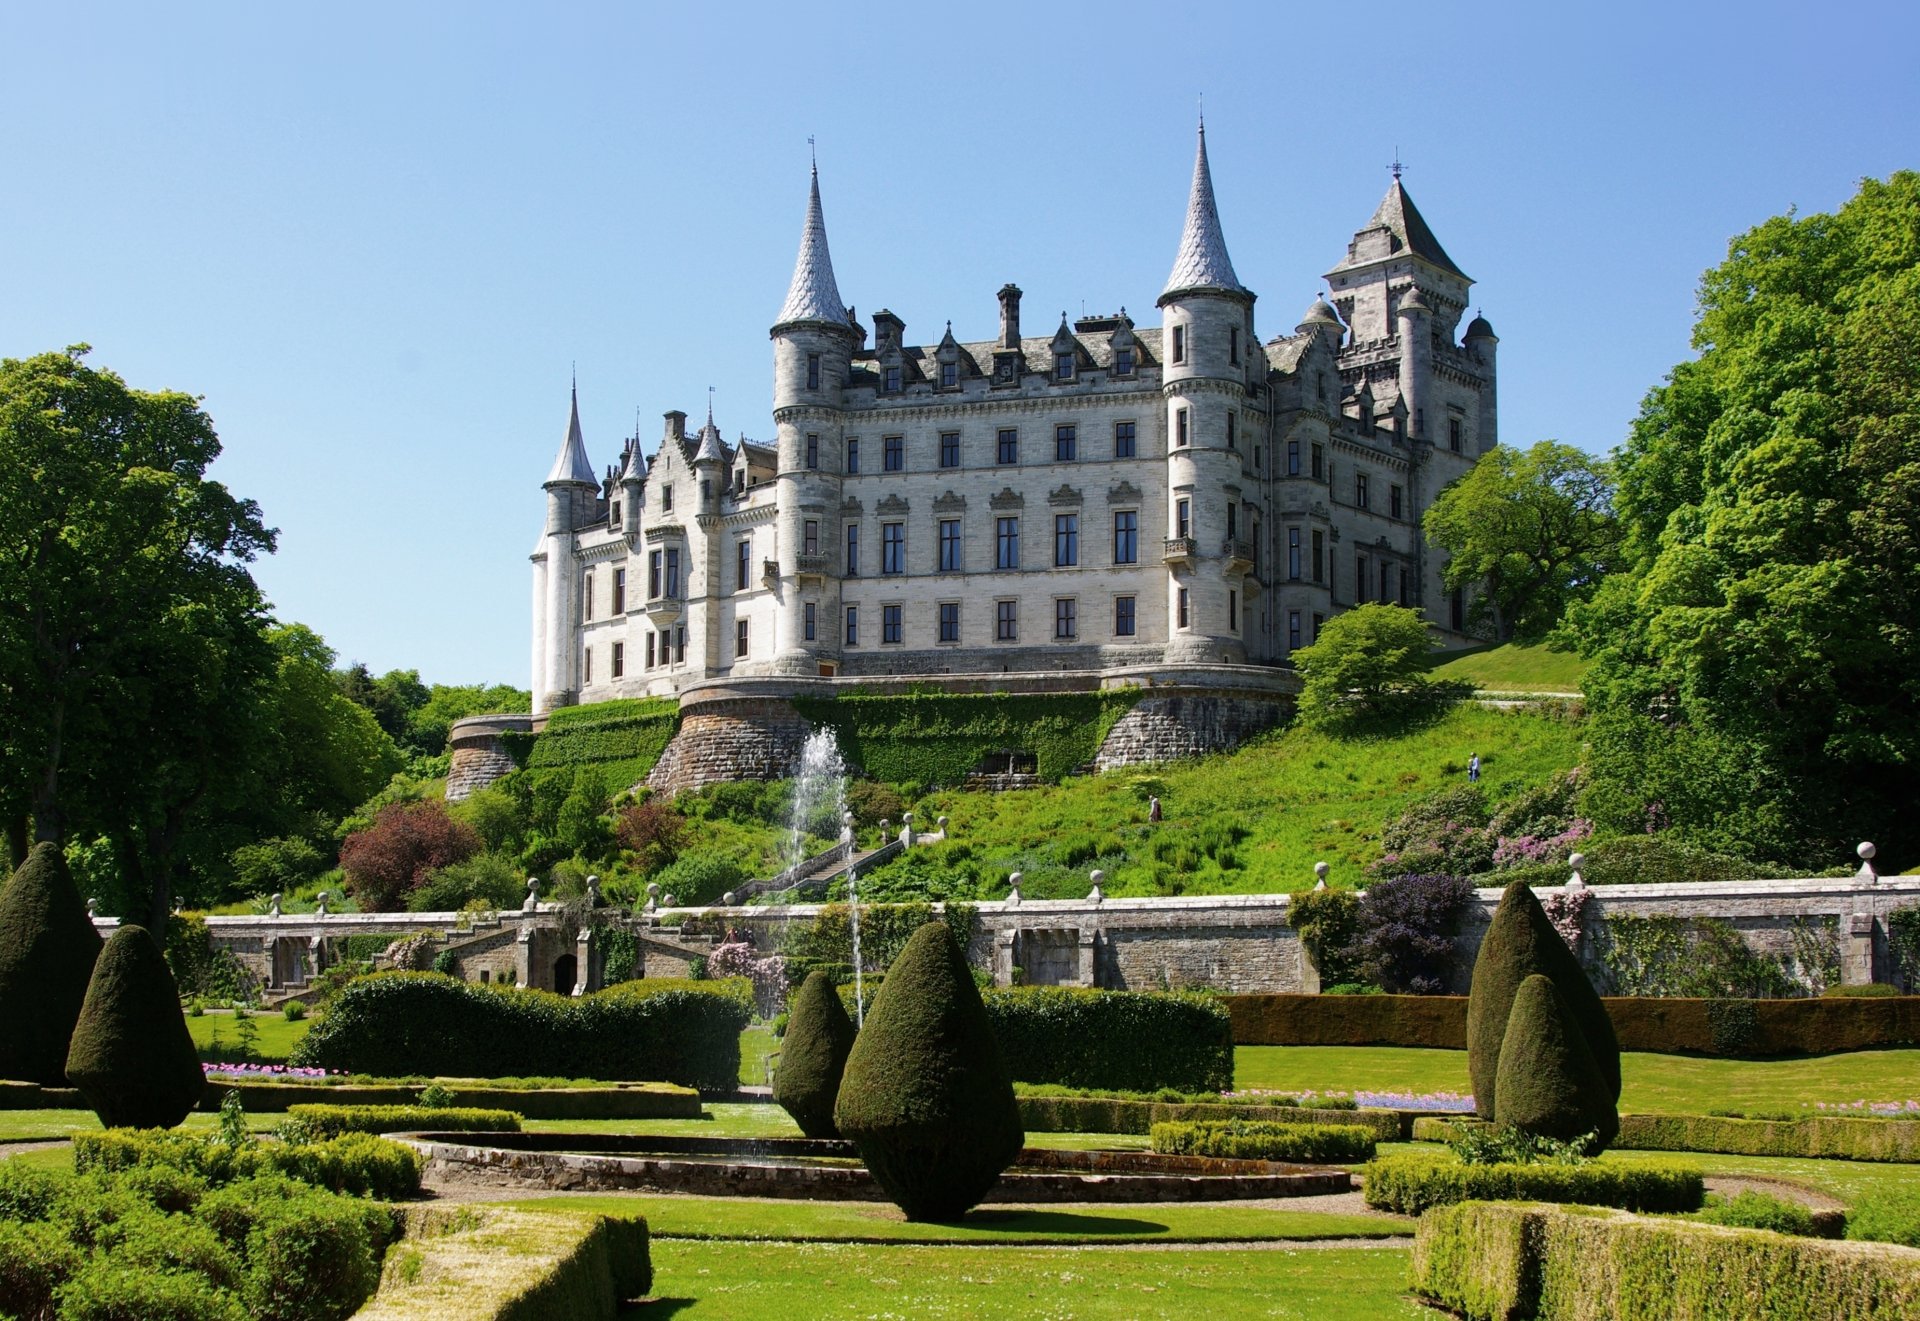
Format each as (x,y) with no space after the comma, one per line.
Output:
(1108,497)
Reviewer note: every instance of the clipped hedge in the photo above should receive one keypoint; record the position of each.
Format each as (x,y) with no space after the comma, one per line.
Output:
(1829,1137)
(627,1101)
(1243,1139)
(628,730)
(1492,1262)
(1096,1114)
(1413,1182)
(1438,1021)
(1124,1040)
(399,1023)
(512,1264)
(330,1121)
(357,1163)
(939,738)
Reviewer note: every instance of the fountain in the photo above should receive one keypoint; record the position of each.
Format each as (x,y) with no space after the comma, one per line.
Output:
(820,790)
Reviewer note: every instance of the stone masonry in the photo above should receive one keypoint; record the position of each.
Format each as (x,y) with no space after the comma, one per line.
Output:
(478,756)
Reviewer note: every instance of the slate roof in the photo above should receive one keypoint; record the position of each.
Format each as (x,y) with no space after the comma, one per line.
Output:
(813,295)
(1202,262)
(1400,217)
(571,465)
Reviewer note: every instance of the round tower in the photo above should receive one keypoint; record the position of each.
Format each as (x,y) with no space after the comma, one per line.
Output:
(813,343)
(1481,343)
(1208,350)
(1413,319)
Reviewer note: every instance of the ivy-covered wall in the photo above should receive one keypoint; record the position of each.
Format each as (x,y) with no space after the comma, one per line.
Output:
(937,738)
(624,738)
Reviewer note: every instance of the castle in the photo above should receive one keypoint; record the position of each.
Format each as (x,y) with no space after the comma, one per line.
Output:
(1107,498)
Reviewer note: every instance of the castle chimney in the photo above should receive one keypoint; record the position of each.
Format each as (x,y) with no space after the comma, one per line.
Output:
(676,424)
(1010,316)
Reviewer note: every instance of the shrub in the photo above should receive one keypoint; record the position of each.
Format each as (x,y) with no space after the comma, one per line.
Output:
(1413,1182)
(1408,924)
(356,1163)
(485,880)
(1520,942)
(1886,1215)
(399,1024)
(872,802)
(652,832)
(1813,1136)
(35,1260)
(272,865)
(1548,1084)
(312,1122)
(813,1057)
(1752,1210)
(926,1097)
(106,1291)
(149,1240)
(1870,991)
(1243,1139)
(293,1010)
(1127,1040)
(405,844)
(132,1057)
(1365,662)
(311,1259)
(1328,923)
(698,880)
(47,950)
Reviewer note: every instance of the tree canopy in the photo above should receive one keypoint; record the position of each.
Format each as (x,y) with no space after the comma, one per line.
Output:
(1366,662)
(1531,530)
(1757,675)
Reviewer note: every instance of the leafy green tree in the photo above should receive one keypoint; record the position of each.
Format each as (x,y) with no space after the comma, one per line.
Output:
(1757,666)
(1528,532)
(428,724)
(1367,661)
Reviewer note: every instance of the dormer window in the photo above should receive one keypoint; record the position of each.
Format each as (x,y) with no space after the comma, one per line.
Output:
(1063,366)
(1123,362)
(891,380)
(949,374)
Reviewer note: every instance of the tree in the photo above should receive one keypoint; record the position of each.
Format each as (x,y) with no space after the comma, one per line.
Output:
(1756,676)
(1533,530)
(813,1056)
(1367,661)
(1550,1085)
(132,1057)
(47,951)
(926,1096)
(406,843)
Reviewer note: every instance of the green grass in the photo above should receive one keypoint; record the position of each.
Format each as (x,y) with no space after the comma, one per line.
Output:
(776,1282)
(1512,667)
(276,1040)
(1651,1084)
(757,1046)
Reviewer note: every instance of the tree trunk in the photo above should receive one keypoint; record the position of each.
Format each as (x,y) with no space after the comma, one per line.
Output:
(19,841)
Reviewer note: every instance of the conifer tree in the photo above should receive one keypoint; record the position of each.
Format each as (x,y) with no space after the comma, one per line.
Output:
(132,1057)
(1550,1084)
(813,1056)
(1520,942)
(47,951)
(926,1096)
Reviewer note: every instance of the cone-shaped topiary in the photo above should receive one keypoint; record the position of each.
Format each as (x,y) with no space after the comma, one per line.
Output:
(925,1096)
(813,1056)
(1521,942)
(47,949)
(132,1058)
(1550,1085)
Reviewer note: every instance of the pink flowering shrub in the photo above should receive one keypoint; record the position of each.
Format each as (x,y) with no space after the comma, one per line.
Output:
(1524,850)
(1567,911)
(736,957)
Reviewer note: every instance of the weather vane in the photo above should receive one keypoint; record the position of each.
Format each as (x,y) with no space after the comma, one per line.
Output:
(1396,168)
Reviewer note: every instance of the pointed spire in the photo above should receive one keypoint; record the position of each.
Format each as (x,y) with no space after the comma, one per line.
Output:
(1203,262)
(1401,218)
(813,296)
(571,465)
(711,448)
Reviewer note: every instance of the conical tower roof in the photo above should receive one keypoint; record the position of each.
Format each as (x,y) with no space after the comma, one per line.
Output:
(571,465)
(1202,262)
(711,448)
(813,295)
(1401,218)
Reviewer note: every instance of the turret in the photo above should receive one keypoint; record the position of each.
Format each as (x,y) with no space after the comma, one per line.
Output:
(571,489)
(1480,345)
(1416,360)
(1208,350)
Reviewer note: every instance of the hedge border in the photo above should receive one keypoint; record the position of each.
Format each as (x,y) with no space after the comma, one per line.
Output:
(1412,1183)
(1090,1114)
(1817,1137)
(1236,1139)
(649,1101)
(327,1121)
(939,738)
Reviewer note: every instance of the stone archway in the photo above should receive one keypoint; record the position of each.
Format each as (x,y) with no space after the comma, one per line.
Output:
(566,971)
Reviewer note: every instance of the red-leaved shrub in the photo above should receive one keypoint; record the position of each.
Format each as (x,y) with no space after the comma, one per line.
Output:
(405,842)
(652,833)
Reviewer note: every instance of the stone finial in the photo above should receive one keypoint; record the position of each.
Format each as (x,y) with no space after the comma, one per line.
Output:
(1866,874)
(666,901)
(273,904)
(886,828)
(1576,881)
(1153,807)
(941,822)
(1094,896)
(320,904)
(1320,870)
(533,895)
(93,909)
(1013,888)
(593,892)
(906,829)
(726,900)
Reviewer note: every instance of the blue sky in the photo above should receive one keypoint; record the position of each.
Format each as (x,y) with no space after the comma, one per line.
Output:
(377,238)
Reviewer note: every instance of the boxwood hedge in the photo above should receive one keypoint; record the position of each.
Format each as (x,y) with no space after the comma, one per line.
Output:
(403,1023)
(1413,1182)
(1243,1139)
(1102,1114)
(330,1121)
(1125,1040)
(938,738)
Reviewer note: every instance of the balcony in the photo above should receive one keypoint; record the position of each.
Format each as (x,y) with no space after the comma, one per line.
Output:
(1182,550)
(770,572)
(664,610)
(810,566)
(1239,554)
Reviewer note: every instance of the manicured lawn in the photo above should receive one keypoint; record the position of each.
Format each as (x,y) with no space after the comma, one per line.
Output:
(276,1040)
(757,1046)
(1674,1084)
(52,1125)
(777,1282)
(1512,667)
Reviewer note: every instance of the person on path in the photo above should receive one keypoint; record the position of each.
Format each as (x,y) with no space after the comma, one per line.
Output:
(1153,808)
(1473,769)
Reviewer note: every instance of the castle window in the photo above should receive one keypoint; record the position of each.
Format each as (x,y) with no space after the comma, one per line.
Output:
(892,380)
(680,642)
(1066,540)
(586,595)
(813,449)
(653,574)
(1256,458)
(1385,596)
(1123,616)
(1319,556)
(1293,553)
(810,624)
(1006,621)
(1008,542)
(666,499)
(620,657)
(893,453)
(1123,362)
(813,371)
(949,374)
(1126,536)
(740,639)
(673,572)
(650,645)
(853,626)
(1182,608)
(1179,343)
(1123,440)
(1233,345)
(1318,620)
(1359,578)
(853,550)
(1319,463)
(949,621)
(1065,444)
(811,542)
(890,625)
(853,454)
(1066,618)
(1453,434)
(586,671)
(619,591)
(1183,518)
(1360,489)
(949,449)
(1063,366)
(1233,522)
(743,561)
(1293,630)
(616,513)
(1180,426)
(1403,585)
(950,545)
(1457,609)
(1007,449)
(1233,431)
(1233,611)
(893,548)
(1393,500)
(1293,458)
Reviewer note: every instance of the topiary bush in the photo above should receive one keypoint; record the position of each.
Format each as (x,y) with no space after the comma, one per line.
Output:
(1520,942)
(813,1057)
(1752,1210)
(132,1057)
(47,951)
(926,1097)
(1410,1183)
(1548,1084)
(1886,1215)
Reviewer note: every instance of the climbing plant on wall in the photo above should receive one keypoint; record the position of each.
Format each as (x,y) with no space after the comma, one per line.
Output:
(938,738)
(624,738)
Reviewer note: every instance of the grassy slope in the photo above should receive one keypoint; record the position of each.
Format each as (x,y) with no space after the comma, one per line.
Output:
(1303,796)
(1512,667)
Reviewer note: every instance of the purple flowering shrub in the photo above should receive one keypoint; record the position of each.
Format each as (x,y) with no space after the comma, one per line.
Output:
(1408,925)
(1458,832)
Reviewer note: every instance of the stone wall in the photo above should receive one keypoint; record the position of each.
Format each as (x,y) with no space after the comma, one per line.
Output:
(477,754)
(748,738)
(1168,728)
